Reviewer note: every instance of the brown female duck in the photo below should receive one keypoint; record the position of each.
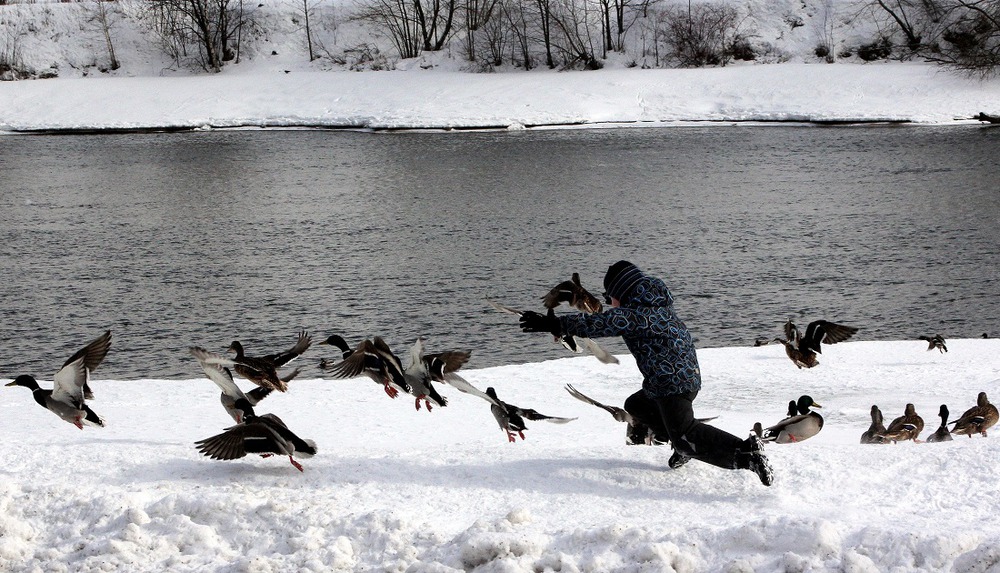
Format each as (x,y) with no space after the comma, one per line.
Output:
(978,419)
(906,427)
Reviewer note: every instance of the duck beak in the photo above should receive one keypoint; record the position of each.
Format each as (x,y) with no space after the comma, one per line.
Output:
(10,384)
(815,405)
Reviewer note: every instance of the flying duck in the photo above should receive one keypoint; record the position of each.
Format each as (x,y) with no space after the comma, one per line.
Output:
(262,370)
(800,424)
(570,342)
(266,435)
(936,341)
(511,418)
(573,293)
(978,419)
(67,398)
(371,358)
(635,432)
(419,378)
(941,434)
(211,364)
(802,350)
(443,366)
(876,431)
(906,427)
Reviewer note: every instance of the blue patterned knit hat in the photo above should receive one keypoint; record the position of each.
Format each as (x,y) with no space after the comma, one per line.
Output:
(620,279)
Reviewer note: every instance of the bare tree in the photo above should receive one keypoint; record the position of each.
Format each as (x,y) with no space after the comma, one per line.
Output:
(545,24)
(701,35)
(398,19)
(210,25)
(579,23)
(435,20)
(106,17)
(971,37)
(479,13)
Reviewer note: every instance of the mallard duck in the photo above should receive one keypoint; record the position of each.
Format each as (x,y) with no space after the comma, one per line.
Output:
(941,434)
(635,433)
(67,398)
(876,431)
(511,418)
(906,427)
(371,358)
(802,350)
(262,370)
(573,293)
(419,378)
(570,342)
(211,364)
(801,423)
(978,419)
(936,341)
(266,435)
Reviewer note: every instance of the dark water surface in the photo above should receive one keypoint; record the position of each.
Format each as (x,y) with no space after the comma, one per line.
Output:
(172,240)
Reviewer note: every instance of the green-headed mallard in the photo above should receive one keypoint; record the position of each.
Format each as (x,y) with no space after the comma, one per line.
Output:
(941,434)
(978,419)
(70,389)
(801,423)
(802,350)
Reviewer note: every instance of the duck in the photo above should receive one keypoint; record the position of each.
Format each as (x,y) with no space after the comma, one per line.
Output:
(635,433)
(265,435)
(262,370)
(936,341)
(572,343)
(800,424)
(802,350)
(906,427)
(572,293)
(420,381)
(876,431)
(211,364)
(443,367)
(70,388)
(978,419)
(372,358)
(941,434)
(511,418)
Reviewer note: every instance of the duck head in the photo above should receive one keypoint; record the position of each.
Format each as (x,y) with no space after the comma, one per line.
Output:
(337,341)
(804,403)
(243,410)
(237,348)
(26,381)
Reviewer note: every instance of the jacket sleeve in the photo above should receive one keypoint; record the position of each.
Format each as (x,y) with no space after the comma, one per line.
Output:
(612,322)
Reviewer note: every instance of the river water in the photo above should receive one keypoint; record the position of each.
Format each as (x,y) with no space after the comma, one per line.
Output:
(180,239)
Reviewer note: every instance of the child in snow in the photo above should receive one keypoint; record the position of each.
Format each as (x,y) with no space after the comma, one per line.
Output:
(642,313)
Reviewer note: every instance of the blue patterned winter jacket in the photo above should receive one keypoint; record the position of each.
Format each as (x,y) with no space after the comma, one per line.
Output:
(657,338)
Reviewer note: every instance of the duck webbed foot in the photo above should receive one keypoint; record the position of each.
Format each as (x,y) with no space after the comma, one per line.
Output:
(297,465)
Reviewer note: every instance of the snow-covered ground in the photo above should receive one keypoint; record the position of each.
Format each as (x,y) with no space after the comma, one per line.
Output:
(395,489)
(429,99)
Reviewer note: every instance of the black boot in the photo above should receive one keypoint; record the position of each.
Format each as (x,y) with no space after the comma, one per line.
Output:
(677,460)
(751,457)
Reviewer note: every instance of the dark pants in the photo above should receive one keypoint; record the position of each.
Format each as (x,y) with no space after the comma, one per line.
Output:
(673,416)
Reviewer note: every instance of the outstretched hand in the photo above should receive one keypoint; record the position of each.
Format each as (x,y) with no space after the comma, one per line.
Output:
(533,322)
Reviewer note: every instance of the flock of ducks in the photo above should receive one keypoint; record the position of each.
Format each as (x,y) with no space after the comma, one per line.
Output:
(267,435)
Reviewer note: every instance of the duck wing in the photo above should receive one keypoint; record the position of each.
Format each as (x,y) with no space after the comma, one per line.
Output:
(212,365)
(619,414)
(92,355)
(535,416)
(463,385)
(503,308)
(282,358)
(445,362)
(597,350)
(68,383)
(825,332)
